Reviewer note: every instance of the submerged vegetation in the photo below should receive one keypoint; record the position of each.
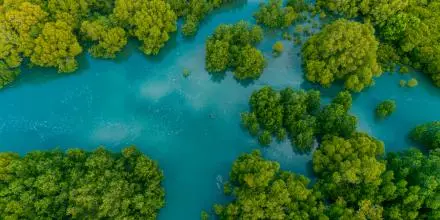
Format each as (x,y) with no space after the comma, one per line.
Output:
(80,185)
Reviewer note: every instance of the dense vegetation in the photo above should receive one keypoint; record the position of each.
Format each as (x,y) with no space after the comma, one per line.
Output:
(408,30)
(53,33)
(344,50)
(80,185)
(233,47)
(355,180)
(193,12)
(298,115)
(385,108)
(274,15)
(427,134)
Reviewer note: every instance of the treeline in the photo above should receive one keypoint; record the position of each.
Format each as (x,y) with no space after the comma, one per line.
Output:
(76,184)
(408,32)
(53,33)
(355,179)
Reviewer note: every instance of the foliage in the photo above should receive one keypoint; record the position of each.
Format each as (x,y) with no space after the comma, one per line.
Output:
(53,33)
(278,48)
(110,38)
(343,50)
(193,11)
(427,134)
(262,191)
(80,185)
(148,21)
(412,82)
(274,15)
(57,46)
(232,46)
(416,180)
(349,168)
(385,108)
(298,115)
(376,10)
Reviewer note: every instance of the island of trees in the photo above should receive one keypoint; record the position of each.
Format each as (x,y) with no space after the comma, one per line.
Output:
(297,114)
(233,47)
(76,184)
(53,33)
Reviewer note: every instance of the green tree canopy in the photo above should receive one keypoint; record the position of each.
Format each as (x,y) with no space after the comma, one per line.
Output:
(260,190)
(233,46)
(344,50)
(80,185)
(427,134)
(274,15)
(57,47)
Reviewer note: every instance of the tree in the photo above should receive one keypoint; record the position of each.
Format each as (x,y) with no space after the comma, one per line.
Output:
(277,48)
(416,179)
(80,185)
(57,47)
(233,46)
(343,50)
(385,108)
(261,190)
(148,21)
(110,40)
(274,15)
(349,168)
(427,134)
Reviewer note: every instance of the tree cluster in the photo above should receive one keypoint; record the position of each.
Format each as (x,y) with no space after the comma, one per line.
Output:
(385,108)
(272,14)
(80,185)
(193,12)
(410,28)
(53,33)
(298,115)
(354,180)
(233,47)
(343,50)
(427,134)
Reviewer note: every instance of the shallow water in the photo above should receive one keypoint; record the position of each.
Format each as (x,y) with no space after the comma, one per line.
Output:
(189,125)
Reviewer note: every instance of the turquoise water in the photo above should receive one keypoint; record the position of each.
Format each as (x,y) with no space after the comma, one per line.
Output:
(189,125)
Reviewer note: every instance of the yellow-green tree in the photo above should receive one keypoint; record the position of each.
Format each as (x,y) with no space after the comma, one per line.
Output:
(151,22)
(109,40)
(344,50)
(57,47)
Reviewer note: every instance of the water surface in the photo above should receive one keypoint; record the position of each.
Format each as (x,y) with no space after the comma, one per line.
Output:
(189,125)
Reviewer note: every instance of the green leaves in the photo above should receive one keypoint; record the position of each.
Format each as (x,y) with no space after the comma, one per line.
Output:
(232,46)
(427,134)
(344,50)
(274,15)
(385,108)
(262,191)
(148,21)
(57,47)
(80,185)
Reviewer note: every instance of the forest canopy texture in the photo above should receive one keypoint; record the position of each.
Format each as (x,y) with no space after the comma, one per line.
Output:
(409,30)
(343,50)
(80,185)
(232,46)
